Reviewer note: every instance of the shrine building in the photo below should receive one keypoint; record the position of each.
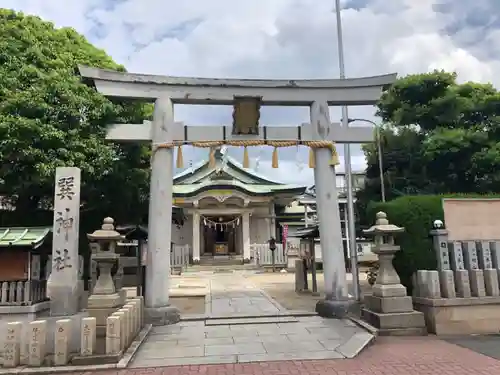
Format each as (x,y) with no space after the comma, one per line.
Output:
(228,208)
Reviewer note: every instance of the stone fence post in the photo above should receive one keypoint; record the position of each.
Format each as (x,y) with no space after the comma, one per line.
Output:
(88,336)
(449,257)
(12,346)
(37,343)
(62,337)
(113,334)
(465,268)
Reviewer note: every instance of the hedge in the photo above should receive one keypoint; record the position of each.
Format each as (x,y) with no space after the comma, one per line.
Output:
(416,214)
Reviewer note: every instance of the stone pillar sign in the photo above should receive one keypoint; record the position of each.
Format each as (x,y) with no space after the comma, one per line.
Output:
(62,286)
(440,242)
(445,260)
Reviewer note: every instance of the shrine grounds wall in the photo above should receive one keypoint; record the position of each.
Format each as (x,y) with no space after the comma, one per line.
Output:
(416,213)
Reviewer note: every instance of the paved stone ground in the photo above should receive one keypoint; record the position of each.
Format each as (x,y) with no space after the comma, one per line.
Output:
(390,356)
(226,337)
(281,287)
(191,343)
(232,294)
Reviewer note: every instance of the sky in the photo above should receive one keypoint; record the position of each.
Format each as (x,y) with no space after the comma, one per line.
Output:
(284,39)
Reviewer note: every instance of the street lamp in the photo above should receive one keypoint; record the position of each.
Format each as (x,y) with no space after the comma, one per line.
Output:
(379,152)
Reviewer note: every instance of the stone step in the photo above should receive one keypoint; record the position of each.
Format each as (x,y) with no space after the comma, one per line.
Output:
(289,313)
(253,320)
(219,267)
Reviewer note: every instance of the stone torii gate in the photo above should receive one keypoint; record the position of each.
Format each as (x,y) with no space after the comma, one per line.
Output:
(246,96)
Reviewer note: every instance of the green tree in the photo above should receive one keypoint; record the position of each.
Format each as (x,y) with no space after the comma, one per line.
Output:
(443,137)
(49,118)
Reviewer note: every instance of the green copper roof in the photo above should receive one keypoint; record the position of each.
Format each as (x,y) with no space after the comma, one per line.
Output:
(226,163)
(23,237)
(227,173)
(250,188)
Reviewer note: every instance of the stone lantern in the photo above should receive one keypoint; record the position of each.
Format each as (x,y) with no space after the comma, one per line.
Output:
(389,308)
(105,299)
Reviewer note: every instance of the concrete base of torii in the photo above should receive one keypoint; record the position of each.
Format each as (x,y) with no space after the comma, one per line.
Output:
(161,316)
(338,309)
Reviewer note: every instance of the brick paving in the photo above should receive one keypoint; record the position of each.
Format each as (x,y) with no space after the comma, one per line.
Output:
(389,356)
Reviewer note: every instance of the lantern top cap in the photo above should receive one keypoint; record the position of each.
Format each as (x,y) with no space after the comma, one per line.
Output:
(382,226)
(106,233)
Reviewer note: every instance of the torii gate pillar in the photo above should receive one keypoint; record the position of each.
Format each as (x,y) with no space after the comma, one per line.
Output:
(158,310)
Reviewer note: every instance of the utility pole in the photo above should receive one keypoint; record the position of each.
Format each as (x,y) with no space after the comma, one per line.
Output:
(348,170)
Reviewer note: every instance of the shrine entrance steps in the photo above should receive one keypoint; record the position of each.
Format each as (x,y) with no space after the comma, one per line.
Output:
(221,260)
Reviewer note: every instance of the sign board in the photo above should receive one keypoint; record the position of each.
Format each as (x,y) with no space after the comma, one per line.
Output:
(472,219)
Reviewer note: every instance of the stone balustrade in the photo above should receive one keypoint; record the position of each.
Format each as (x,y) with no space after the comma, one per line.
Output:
(463,295)
(22,292)
(122,328)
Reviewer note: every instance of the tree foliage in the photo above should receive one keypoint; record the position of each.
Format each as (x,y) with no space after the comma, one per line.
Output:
(48,118)
(440,137)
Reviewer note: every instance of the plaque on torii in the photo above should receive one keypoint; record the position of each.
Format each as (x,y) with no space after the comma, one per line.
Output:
(246,97)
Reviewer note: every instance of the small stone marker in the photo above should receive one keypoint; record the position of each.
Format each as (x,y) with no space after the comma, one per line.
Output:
(477,286)
(138,314)
(470,255)
(491,282)
(62,336)
(462,283)
(88,338)
(134,316)
(447,281)
(128,317)
(121,315)
(414,282)
(131,308)
(433,285)
(5,290)
(484,253)
(495,254)
(37,343)
(12,347)
(456,256)
(140,299)
(113,334)
(422,281)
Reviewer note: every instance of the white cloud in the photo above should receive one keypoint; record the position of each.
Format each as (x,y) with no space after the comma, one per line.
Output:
(284,39)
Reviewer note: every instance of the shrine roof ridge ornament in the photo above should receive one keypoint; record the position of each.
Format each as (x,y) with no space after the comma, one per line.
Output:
(191,90)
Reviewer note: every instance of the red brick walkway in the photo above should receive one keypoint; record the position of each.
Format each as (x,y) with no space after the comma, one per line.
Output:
(389,356)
